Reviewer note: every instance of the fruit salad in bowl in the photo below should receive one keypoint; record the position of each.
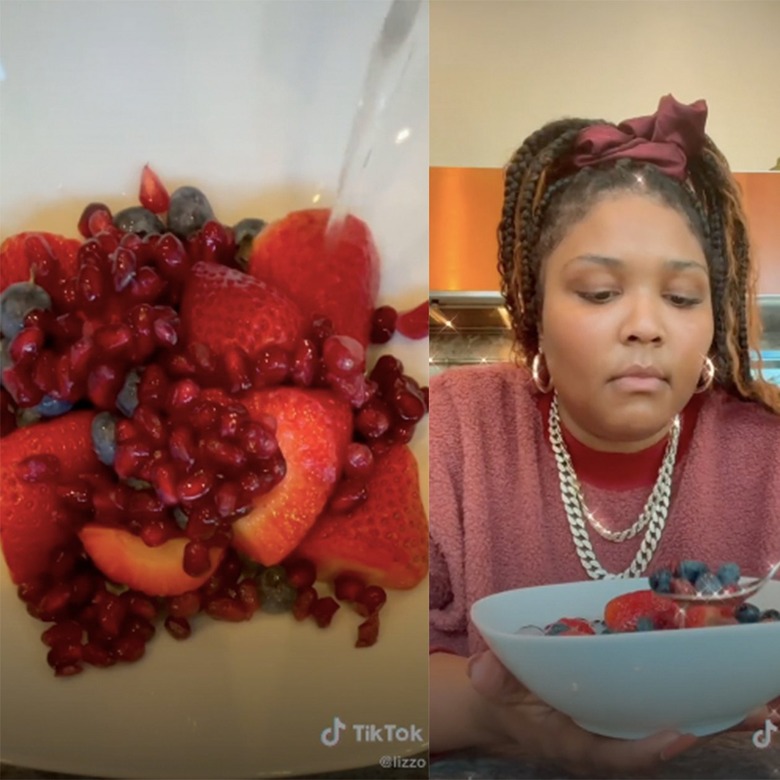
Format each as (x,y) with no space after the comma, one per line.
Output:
(623,661)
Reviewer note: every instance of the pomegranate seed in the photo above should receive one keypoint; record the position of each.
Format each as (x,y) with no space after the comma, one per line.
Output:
(226,499)
(39,468)
(183,394)
(343,356)
(257,440)
(67,632)
(368,631)
(97,655)
(213,243)
(95,218)
(323,610)
(63,563)
(165,333)
(359,461)
(304,363)
(153,387)
(129,457)
(89,286)
(383,322)
(80,355)
(186,605)
(196,559)
(33,592)
(140,627)
(44,371)
(321,329)
(111,615)
(272,367)
(20,386)
(373,419)
(249,596)
(147,285)
(371,600)
(103,385)
(349,494)
(155,533)
(348,587)
(414,323)
(26,344)
(149,423)
(424,391)
(204,415)
(236,370)
(181,445)
(164,479)
(67,670)
(152,194)
(113,339)
(129,648)
(224,454)
(386,371)
(140,605)
(301,573)
(402,433)
(409,403)
(355,389)
(179,365)
(201,524)
(202,356)
(171,257)
(195,486)
(64,654)
(226,608)
(303,603)
(83,588)
(178,627)
(55,602)
(88,616)
(123,268)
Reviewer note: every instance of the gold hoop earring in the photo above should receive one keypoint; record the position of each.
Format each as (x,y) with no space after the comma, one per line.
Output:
(536,375)
(707,376)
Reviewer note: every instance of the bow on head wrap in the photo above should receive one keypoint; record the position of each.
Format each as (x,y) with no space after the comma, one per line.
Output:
(667,139)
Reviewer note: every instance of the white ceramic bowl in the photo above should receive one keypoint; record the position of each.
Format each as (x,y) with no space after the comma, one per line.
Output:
(253,102)
(699,680)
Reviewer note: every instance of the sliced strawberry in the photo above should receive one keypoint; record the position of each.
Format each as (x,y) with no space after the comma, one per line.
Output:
(313,428)
(31,524)
(703,615)
(385,539)
(153,194)
(336,277)
(156,571)
(223,307)
(414,323)
(624,612)
(22,256)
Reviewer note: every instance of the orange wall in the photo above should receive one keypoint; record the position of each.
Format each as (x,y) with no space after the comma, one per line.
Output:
(465,205)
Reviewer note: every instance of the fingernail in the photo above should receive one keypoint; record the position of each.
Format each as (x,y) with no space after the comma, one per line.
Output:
(677,745)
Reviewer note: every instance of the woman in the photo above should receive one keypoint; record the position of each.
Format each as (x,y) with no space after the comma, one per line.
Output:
(626,270)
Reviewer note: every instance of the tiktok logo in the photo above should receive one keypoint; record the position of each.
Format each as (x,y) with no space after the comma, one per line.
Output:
(332,734)
(763,737)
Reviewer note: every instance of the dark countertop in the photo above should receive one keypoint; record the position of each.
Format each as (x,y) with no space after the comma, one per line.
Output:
(731,756)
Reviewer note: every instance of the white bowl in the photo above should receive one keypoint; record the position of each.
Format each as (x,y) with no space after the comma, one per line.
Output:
(698,680)
(253,102)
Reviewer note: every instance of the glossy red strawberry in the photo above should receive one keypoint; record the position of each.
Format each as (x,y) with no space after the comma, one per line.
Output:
(222,307)
(35,255)
(384,539)
(313,428)
(624,612)
(32,523)
(336,277)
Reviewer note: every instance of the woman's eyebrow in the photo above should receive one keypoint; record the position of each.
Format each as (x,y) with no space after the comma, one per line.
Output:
(614,262)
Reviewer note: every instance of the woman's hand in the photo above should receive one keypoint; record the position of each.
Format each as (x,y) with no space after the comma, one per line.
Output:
(525,720)
(758,718)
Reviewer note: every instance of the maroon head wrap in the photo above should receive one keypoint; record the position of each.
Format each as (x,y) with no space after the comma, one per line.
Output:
(667,139)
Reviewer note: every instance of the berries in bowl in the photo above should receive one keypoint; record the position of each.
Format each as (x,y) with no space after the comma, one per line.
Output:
(195,427)
(620,661)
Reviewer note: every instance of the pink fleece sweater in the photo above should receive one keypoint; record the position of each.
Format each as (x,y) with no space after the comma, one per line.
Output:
(496,516)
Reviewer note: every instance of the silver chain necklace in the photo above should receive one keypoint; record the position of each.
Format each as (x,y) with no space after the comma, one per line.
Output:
(653,515)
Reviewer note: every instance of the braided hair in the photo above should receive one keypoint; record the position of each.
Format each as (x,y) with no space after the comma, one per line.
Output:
(544,196)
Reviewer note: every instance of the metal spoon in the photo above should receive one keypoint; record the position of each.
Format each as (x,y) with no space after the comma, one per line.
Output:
(736,596)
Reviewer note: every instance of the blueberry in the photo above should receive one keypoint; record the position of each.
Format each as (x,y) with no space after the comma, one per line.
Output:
(645,624)
(137,219)
(747,613)
(690,570)
(188,212)
(104,437)
(127,399)
(661,581)
(276,593)
(770,614)
(729,573)
(708,583)
(556,628)
(16,301)
(52,407)
(247,229)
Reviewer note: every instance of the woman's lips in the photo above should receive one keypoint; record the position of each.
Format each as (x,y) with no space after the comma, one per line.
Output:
(634,383)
